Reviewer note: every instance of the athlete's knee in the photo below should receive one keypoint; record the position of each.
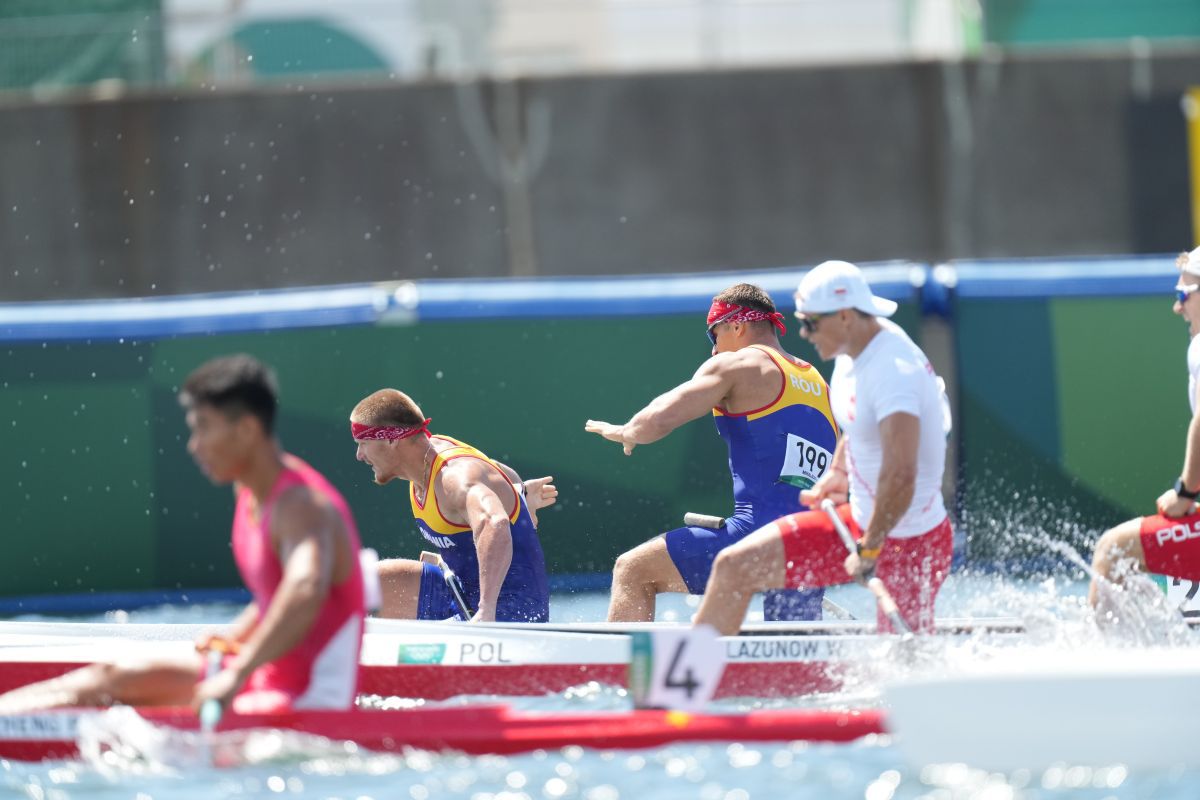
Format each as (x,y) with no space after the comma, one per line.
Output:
(1113,545)
(630,565)
(100,683)
(740,568)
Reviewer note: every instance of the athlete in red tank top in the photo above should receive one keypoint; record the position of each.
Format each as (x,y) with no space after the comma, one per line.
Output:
(296,645)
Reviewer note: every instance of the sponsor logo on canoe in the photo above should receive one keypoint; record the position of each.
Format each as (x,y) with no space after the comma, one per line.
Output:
(781,648)
(39,727)
(421,654)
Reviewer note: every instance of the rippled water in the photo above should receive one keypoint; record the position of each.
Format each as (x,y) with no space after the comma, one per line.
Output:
(874,768)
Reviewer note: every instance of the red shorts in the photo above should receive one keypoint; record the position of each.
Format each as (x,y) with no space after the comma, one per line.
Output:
(912,569)
(1172,545)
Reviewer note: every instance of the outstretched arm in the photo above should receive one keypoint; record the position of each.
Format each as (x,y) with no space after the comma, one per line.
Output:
(303,531)
(687,401)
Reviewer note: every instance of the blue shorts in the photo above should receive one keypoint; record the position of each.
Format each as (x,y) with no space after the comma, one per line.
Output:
(436,601)
(693,551)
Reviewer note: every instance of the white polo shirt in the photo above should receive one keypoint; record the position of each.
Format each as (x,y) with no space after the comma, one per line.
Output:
(1193,371)
(891,375)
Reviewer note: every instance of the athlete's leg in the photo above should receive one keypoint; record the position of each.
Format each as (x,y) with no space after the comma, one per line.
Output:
(400,588)
(639,576)
(1121,545)
(914,569)
(742,569)
(154,684)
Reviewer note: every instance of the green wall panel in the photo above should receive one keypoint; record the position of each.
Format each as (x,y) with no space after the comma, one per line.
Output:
(1006,363)
(1122,393)
(75,473)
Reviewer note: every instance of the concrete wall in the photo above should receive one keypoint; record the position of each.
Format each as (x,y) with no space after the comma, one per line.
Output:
(1078,154)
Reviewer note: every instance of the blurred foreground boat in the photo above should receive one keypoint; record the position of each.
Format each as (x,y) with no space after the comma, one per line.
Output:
(1032,711)
(476,729)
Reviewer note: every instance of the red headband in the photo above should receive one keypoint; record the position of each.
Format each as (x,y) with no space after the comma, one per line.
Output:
(731,312)
(387,432)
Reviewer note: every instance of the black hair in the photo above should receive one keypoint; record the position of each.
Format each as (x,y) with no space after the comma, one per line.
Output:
(234,385)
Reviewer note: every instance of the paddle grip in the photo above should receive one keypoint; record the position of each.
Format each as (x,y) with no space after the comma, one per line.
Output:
(210,710)
(695,520)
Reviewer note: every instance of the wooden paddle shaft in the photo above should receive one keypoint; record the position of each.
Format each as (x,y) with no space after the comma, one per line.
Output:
(703,521)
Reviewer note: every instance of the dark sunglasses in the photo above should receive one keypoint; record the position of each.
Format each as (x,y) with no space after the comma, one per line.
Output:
(809,322)
(711,332)
(1183,292)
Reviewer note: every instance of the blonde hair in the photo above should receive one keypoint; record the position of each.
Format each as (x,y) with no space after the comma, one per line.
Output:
(387,407)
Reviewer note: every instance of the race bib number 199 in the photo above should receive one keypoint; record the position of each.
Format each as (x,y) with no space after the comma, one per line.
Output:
(804,462)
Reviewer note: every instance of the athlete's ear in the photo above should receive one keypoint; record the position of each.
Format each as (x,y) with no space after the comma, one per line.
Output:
(250,424)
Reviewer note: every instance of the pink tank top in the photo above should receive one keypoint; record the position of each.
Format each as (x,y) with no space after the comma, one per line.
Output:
(322,670)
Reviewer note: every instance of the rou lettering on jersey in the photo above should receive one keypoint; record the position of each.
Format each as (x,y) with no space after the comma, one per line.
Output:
(807,386)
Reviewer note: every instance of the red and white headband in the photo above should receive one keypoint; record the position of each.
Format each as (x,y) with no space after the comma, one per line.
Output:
(731,312)
(364,433)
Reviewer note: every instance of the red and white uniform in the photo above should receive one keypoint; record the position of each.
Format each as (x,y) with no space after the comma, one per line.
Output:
(891,375)
(322,670)
(1172,544)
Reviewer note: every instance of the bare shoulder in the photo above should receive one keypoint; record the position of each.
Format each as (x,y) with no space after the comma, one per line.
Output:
(795,359)
(301,511)
(732,364)
(461,474)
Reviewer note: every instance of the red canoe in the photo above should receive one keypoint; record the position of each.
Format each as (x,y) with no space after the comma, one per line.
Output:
(471,729)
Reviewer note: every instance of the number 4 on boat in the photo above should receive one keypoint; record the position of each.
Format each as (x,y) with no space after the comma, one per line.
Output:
(676,668)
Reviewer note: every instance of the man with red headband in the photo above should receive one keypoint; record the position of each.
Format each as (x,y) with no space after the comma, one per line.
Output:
(473,509)
(772,409)
(894,419)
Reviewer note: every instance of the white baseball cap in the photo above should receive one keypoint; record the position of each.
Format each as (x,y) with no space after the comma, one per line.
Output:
(1190,263)
(836,285)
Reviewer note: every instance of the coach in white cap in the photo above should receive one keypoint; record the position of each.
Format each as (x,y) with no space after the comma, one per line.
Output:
(892,412)
(1166,543)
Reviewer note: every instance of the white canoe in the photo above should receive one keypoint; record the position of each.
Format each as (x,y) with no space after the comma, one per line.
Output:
(436,660)
(1031,709)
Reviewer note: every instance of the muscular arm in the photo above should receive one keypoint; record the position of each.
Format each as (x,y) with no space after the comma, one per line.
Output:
(900,434)
(473,490)
(243,624)
(688,401)
(303,530)
(1171,504)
